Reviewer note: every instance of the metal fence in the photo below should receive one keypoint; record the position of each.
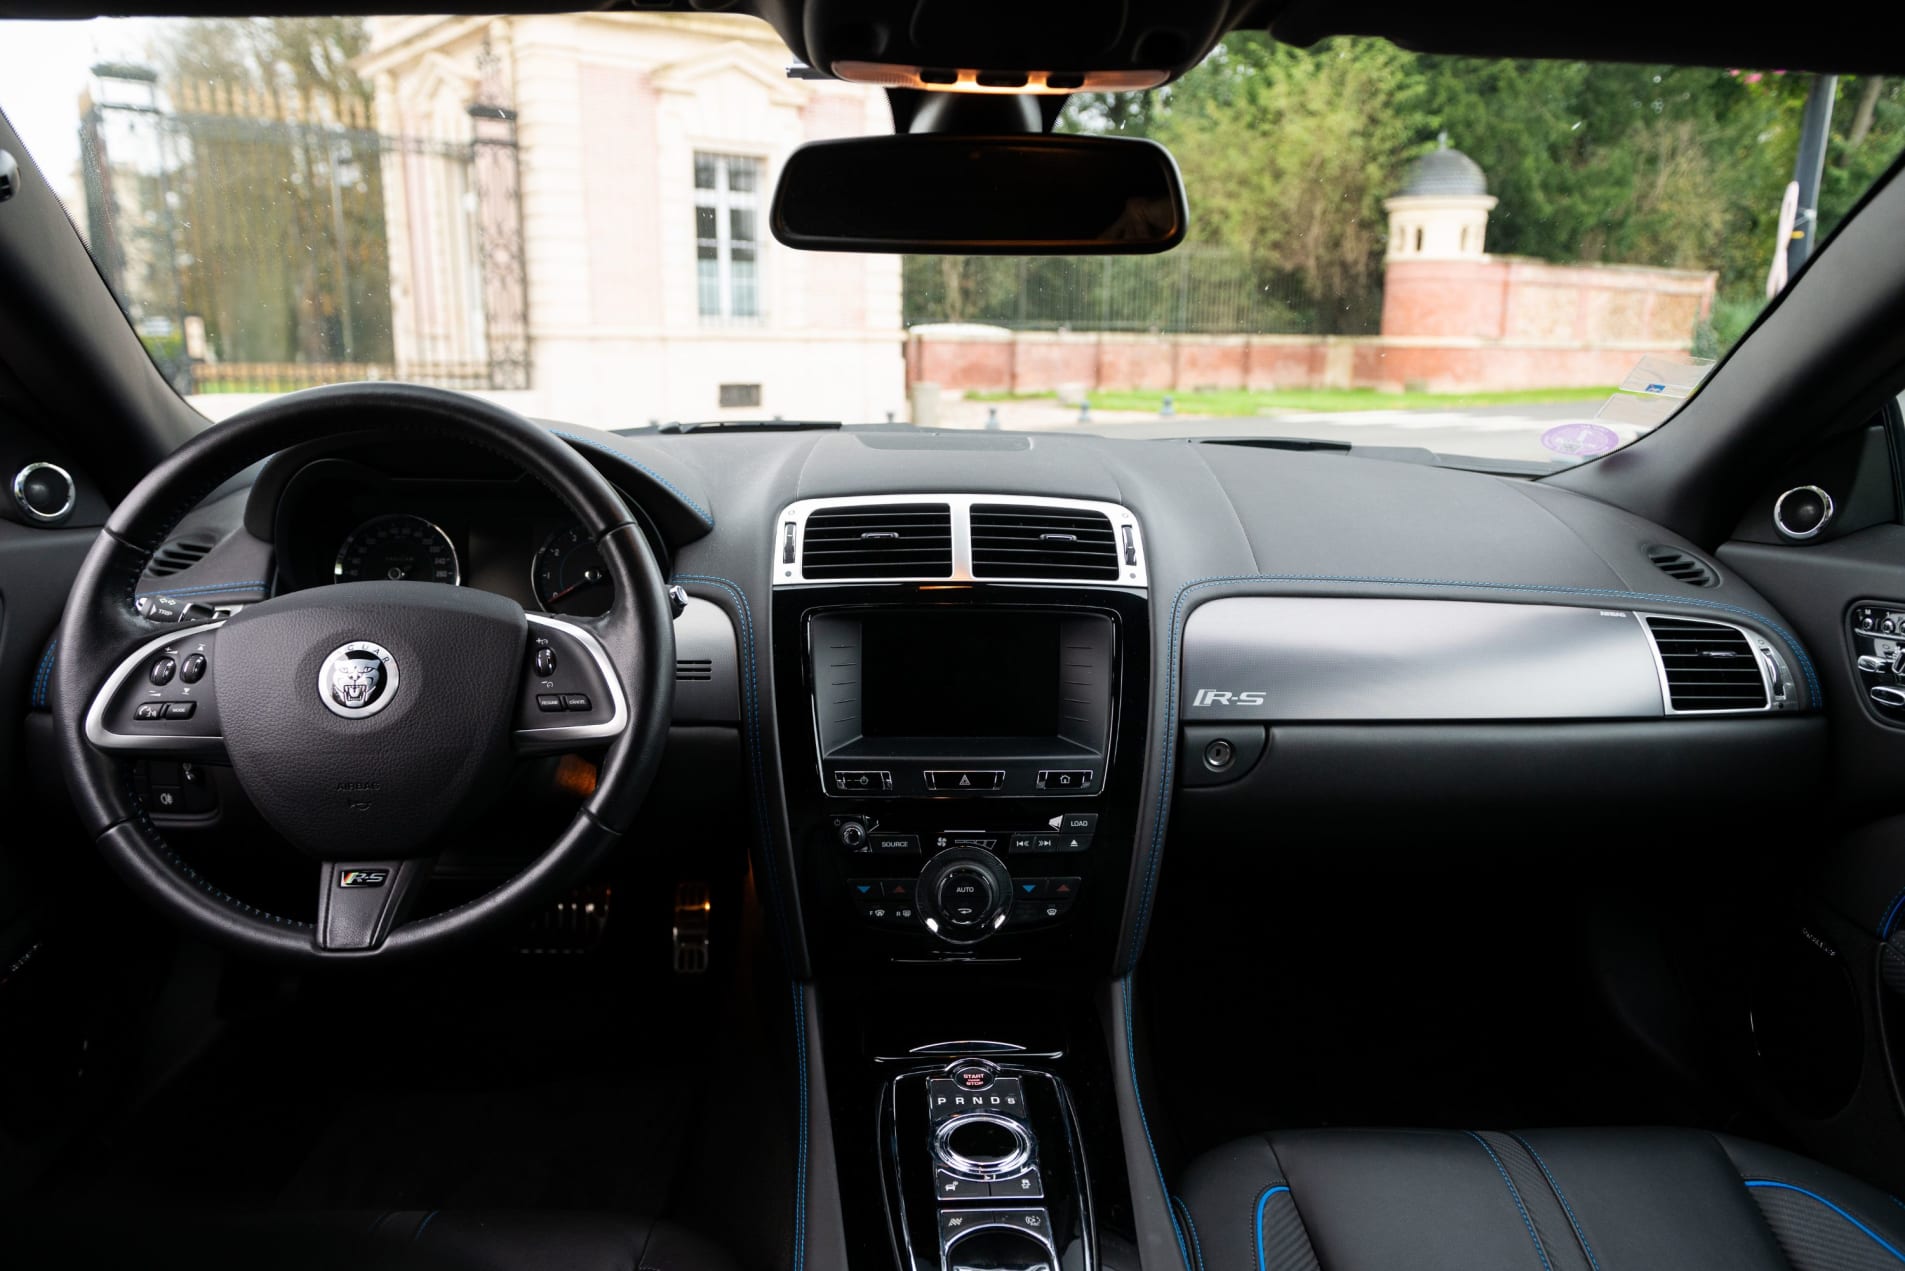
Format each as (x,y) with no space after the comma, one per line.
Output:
(1190,290)
(262,244)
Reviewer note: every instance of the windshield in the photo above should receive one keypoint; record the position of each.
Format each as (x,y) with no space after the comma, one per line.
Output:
(1512,260)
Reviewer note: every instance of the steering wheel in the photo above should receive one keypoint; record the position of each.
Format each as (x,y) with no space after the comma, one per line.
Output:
(367,721)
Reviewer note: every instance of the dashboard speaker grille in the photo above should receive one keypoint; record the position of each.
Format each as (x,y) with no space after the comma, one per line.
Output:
(1681,567)
(694,668)
(886,540)
(1019,541)
(1709,666)
(179,555)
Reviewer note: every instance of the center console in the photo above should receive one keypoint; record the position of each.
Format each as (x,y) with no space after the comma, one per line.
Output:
(963,691)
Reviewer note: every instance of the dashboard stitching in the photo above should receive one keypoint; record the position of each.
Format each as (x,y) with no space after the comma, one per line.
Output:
(1196,584)
(1197,1246)
(706,516)
(1891,913)
(45,675)
(247,585)
(1137,1097)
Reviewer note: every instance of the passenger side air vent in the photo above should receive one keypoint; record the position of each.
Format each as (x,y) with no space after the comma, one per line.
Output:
(1024,541)
(180,554)
(1708,666)
(1681,567)
(694,668)
(887,540)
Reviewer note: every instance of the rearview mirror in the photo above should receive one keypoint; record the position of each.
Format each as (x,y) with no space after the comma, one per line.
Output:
(1016,195)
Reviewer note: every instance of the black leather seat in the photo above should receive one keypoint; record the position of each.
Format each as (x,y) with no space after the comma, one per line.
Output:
(410,1241)
(1545,1200)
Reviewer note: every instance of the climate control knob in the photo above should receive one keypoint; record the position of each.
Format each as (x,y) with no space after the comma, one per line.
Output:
(964,893)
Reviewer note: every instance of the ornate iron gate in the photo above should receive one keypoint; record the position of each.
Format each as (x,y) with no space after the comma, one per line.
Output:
(261,244)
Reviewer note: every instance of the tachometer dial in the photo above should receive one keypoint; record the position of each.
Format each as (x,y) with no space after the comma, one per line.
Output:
(569,575)
(399,548)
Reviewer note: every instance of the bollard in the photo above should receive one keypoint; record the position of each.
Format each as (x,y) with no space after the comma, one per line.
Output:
(1084,411)
(1169,409)
(992,418)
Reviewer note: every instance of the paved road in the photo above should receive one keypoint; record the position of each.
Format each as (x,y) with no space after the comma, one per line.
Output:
(1496,432)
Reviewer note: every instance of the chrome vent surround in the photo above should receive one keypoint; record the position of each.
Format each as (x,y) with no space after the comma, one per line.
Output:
(1682,567)
(878,540)
(180,555)
(1711,667)
(1011,540)
(993,538)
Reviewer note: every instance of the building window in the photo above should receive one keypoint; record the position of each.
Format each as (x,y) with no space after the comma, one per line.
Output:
(727,235)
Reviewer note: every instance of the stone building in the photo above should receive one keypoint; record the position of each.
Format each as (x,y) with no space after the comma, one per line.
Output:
(647,148)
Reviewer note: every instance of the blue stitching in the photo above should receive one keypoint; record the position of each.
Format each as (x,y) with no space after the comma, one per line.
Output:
(1263,1203)
(1515,1195)
(1876,1239)
(746,614)
(246,585)
(1197,584)
(1197,1245)
(1131,1057)
(800,1173)
(1885,924)
(1565,1207)
(45,675)
(706,516)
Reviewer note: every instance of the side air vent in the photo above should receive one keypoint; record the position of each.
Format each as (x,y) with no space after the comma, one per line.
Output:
(888,540)
(694,668)
(1681,567)
(1708,666)
(180,554)
(1022,541)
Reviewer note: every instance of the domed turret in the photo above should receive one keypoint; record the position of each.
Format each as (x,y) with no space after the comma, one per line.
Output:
(1441,211)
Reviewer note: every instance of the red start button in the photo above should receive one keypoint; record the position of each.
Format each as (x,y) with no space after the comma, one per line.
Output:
(973,1078)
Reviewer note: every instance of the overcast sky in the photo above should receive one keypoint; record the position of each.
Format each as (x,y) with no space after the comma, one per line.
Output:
(43,70)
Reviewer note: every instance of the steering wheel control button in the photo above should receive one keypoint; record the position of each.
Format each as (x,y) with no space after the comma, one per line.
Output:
(357,680)
(149,710)
(964,780)
(545,662)
(548,701)
(161,671)
(1065,779)
(192,669)
(180,710)
(576,702)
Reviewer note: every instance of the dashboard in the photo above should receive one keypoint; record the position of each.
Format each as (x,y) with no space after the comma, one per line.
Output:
(347,520)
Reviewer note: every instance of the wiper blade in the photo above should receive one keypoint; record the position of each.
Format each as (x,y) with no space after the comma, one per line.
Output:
(1277,443)
(752,425)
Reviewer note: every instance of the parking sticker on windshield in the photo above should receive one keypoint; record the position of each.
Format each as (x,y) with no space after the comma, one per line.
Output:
(1581,441)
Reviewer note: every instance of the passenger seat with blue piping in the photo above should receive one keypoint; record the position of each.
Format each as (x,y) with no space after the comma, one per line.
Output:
(1543,1200)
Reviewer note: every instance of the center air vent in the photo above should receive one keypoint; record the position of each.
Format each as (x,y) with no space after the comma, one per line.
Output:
(1708,666)
(179,555)
(1015,541)
(1681,567)
(887,540)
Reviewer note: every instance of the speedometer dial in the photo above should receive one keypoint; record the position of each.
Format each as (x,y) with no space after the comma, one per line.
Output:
(570,577)
(398,548)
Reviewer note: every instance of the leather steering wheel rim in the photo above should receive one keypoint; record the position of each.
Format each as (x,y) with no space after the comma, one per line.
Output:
(101,630)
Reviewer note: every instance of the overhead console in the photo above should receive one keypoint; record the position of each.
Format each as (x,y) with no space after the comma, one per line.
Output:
(964,782)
